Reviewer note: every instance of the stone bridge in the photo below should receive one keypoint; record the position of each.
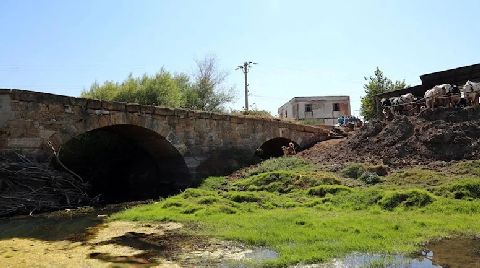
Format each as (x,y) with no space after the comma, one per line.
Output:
(129,144)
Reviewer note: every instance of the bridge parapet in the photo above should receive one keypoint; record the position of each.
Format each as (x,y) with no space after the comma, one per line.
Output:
(94,106)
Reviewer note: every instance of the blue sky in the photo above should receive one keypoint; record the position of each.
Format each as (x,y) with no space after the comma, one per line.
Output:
(304,48)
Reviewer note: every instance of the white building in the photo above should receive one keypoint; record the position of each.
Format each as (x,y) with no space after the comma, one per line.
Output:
(321,109)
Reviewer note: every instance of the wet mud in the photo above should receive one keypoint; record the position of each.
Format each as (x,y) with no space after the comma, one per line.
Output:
(84,237)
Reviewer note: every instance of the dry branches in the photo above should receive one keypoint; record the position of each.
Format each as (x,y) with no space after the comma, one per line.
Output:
(28,187)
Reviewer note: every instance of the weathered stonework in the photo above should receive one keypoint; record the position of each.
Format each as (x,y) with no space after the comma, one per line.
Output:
(29,120)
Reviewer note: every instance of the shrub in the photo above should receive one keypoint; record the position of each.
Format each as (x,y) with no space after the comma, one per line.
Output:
(243,197)
(323,190)
(196,192)
(380,170)
(214,183)
(416,176)
(363,199)
(466,167)
(254,113)
(190,210)
(462,189)
(370,178)
(172,203)
(353,171)
(275,164)
(285,181)
(408,198)
(226,209)
(207,200)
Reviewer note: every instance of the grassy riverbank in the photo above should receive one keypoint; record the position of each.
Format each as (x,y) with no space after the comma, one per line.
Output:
(311,214)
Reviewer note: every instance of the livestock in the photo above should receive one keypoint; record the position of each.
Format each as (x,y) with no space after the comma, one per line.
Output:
(454,96)
(386,108)
(385,102)
(435,96)
(471,92)
(402,104)
(407,101)
(396,107)
(289,150)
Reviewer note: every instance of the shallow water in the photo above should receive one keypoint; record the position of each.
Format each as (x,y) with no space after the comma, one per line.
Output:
(261,254)
(445,253)
(455,252)
(79,235)
(81,226)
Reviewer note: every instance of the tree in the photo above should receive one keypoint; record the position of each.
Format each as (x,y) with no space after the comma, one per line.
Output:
(107,91)
(209,91)
(377,84)
(159,89)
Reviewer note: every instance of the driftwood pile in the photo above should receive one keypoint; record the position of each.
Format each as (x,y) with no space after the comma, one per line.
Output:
(28,187)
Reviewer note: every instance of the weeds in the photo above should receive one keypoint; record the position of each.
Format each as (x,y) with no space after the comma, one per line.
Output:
(370,178)
(354,170)
(466,168)
(462,189)
(408,198)
(281,163)
(323,190)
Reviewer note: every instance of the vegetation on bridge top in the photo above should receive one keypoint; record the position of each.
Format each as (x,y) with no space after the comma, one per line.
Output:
(204,90)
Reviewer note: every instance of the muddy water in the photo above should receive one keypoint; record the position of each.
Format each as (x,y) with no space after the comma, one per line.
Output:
(458,252)
(447,253)
(83,238)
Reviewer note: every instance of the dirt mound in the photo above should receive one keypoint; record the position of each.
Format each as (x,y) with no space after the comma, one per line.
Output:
(440,135)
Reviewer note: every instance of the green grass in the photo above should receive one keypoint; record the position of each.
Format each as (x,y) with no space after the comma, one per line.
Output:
(466,168)
(281,163)
(417,177)
(308,216)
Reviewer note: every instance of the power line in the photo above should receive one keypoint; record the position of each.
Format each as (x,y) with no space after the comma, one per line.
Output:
(245,68)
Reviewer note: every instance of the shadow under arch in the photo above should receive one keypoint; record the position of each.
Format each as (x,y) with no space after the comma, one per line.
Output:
(126,163)
(273,147)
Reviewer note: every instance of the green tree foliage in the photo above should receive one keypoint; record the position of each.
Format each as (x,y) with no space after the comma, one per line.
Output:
(159,89)
(254,113)
(377,84)
(206,90)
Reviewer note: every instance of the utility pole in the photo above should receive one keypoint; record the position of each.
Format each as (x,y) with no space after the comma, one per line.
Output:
(245,68)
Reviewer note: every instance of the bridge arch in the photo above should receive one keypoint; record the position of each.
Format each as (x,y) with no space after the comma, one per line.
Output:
(273,147)
(125,162)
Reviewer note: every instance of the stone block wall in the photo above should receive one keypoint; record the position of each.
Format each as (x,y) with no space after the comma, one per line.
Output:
(30,120)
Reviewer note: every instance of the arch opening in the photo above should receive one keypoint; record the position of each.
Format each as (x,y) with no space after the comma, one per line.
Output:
(126,163)
(273,147)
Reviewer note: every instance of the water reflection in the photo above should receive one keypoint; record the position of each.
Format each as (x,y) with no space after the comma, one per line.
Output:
(446,253)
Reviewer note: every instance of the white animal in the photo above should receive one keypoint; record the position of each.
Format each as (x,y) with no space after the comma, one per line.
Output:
(407,98)
(435,95)
(401,104)
(471,92)
(454,97)
(406,101)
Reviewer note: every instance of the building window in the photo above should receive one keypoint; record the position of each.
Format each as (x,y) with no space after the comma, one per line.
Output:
(308,107)
(336,107)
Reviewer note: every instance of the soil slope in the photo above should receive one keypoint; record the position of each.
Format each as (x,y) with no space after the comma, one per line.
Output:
(438,135)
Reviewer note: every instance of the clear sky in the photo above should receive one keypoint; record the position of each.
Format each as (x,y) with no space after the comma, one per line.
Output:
(304,48)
